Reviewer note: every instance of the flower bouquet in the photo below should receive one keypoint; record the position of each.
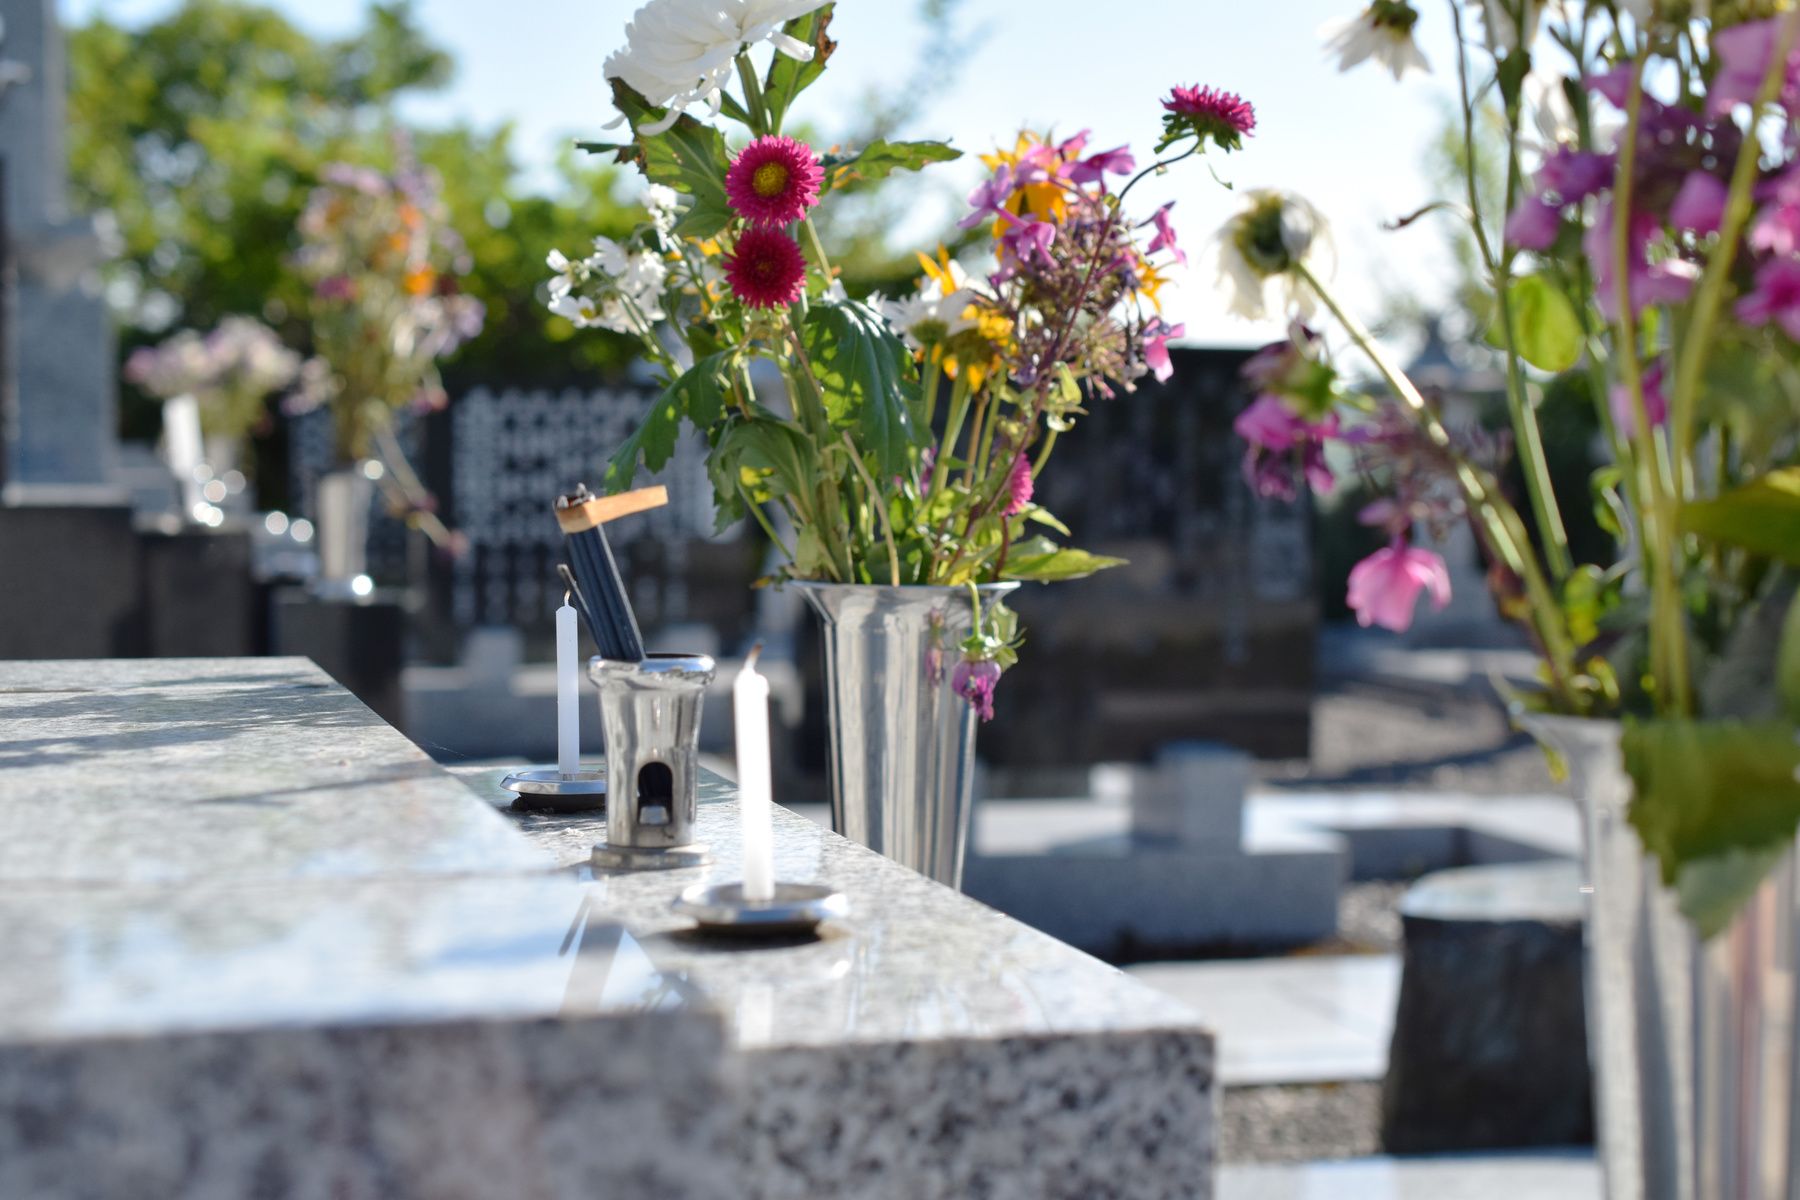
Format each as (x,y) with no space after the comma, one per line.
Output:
(382,263)
(230,372)
(1647,248)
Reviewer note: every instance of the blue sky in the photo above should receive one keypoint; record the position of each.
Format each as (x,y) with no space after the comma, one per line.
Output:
(1352,143)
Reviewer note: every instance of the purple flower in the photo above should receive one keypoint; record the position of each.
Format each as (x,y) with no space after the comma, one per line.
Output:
(1095,168)
(1026,239)
(1647,283)
(335,287)
(1275,433)
(1615,85)
(1574,175)
(989,199)
(1018,486)
(1270,425)
(1157,335)
(1534,224)
(975,682)
(1777,226)
(1776,297)
(1699,206)
(1384,587)
(1165,235)
(1656,402)
(1743,53)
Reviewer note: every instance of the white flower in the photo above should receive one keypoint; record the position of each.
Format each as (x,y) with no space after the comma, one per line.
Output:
(1551,114)
(681,52)
(579,309)
(1259,249)
(609,258)
(1383,32)
(931,315)
(662,202)
(568,274)
(644,274)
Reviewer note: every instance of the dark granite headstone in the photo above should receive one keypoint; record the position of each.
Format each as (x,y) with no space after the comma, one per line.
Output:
(70,583)
(1490,1040)
(199,598)
(361,644)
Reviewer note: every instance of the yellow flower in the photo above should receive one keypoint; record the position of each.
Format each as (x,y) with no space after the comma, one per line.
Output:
(1150,281)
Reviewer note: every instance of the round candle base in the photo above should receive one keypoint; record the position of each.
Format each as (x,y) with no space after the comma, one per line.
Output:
(546,789)
(608,857)
(794,908)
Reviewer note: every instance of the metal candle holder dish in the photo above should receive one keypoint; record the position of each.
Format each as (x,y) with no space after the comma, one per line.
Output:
(795,908)
(548,789)
(650,712)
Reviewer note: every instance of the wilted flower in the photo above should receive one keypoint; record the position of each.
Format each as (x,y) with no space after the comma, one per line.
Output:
(681,52)
(1261,248)
(1384,587)
(1383,32)
(975,682)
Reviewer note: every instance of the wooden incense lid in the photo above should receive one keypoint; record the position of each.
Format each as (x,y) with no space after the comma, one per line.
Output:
(581,510)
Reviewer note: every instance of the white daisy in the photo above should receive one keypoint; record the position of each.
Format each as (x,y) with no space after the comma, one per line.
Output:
(931,315)
(1259,248)
(1383,32)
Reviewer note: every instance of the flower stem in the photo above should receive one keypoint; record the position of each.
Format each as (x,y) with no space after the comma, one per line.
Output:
(881,512)
(753,97)
(1505,532)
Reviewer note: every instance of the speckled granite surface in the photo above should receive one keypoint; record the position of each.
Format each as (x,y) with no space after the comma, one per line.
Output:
(266,948)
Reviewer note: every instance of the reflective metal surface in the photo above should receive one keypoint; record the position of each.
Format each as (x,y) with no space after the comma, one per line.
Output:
(548,790)
(795,907)
(1693,1042)
(344,500)
(650,712)
(902,746)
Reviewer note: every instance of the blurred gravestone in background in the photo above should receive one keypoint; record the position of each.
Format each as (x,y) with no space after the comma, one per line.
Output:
(1208,633)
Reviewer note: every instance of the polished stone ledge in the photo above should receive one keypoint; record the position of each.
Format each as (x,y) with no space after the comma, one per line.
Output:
(260,945)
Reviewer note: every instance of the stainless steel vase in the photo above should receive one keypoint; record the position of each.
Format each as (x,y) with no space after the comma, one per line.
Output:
(902,743)
(345,500)
(1693,1042)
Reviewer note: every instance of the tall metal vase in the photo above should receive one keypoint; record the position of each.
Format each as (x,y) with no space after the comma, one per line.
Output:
(902,742)
(345,498)
(1693,1041)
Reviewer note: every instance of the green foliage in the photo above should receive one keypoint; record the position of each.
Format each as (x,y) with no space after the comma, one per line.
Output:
(1712,799)
(696,395)
(688,156)
(1762,516)
(788,77)
(869,379)
(1787,661)
(1042,561)
(879,159)
(1546,328)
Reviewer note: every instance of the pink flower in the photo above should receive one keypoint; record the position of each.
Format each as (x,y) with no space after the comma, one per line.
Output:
(1534,224)
(1157,336)
(1777,226)
(1095,168)
(766,269)
(773,181)
(975,682)
(1277,436)
(1018,486)
(335,287)
(1776,297)
(1743,53)
(1165,235)
(1270,424)
(1384,587)
(1699,206)
(1647,283)
(1656,402)
(1026,239)
(1574,175)
(1207,112)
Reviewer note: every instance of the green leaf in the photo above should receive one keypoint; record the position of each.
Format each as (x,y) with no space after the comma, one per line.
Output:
(1711,790)
(1763,516)
(868,378)
(1787,661)
(788,77)
(1609,507)
(688,156)
(1546,329)
(697,395)
(1711,890)
(774,449)
(879,159)
(1041,560)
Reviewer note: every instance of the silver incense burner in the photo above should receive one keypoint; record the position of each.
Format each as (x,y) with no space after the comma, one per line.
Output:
(650,711)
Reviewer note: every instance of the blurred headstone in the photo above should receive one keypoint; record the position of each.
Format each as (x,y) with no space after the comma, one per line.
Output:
(1194,796)
(58,366)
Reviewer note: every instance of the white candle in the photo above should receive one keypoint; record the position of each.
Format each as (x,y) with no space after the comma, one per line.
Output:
(750,710)
(568,694)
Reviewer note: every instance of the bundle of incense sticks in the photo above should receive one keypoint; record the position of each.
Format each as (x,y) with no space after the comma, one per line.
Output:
(598,587)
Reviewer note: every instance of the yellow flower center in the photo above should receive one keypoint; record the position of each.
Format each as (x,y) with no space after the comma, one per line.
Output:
(770,180)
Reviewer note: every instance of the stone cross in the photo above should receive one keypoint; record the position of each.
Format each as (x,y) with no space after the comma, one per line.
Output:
(58,368)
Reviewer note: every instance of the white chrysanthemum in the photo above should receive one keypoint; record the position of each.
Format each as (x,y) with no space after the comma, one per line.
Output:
(680,52)
(609,258)
(1383,32)
(1259,249)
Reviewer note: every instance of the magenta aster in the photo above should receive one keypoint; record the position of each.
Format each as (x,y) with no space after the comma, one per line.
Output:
(1206,112)
(766,270)
(773,181)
